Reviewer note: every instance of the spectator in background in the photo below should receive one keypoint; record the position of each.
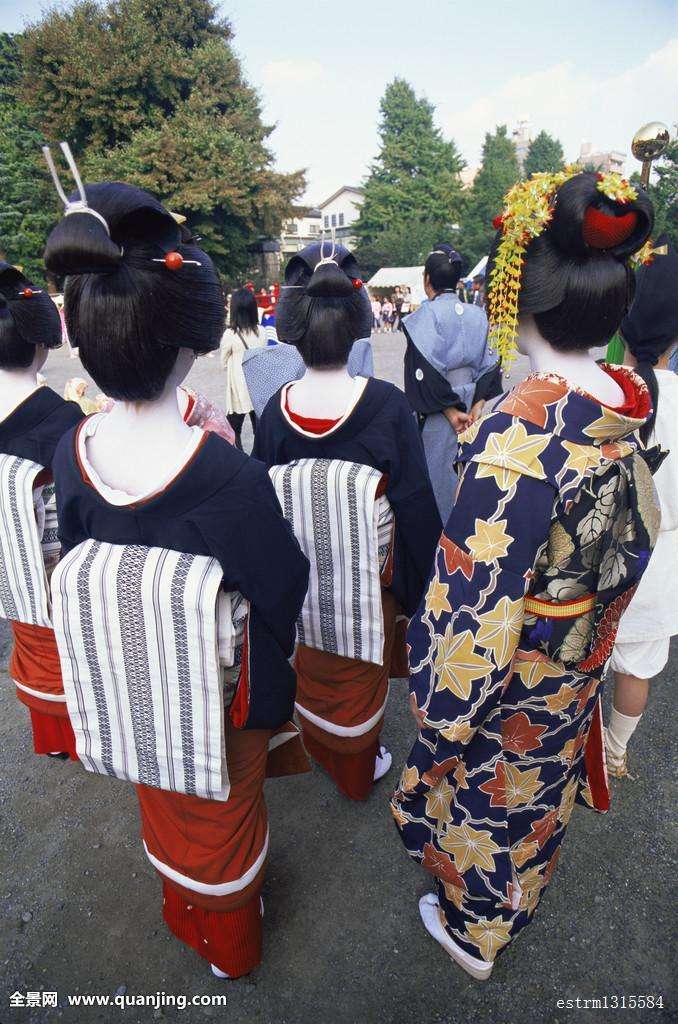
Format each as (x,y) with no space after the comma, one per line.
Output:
(478,291)
(462,291)
(242,333)
(376,313)
(387,315)
(397,309)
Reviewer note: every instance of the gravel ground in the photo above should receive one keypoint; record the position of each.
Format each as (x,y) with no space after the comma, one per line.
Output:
(343,940)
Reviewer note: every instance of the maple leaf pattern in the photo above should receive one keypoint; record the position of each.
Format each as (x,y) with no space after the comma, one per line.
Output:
(436,598)
(490,541)
(441,865)
(496,786)
(512,454)
(519,736)
(521,786)
(489,936)
(457,666)
(499,629)
(470,847)
(455,558)
(438,801)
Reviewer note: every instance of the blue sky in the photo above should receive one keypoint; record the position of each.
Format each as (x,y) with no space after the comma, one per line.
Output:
(581,69)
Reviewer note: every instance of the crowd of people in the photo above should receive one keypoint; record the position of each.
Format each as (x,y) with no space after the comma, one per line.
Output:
(175,611)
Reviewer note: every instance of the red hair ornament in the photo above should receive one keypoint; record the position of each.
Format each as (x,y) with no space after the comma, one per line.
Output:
(603,231)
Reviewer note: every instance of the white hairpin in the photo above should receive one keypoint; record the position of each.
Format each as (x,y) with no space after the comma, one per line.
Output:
(71,205)
(327,259)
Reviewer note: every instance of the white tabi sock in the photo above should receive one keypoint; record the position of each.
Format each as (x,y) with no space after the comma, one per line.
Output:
(618,733)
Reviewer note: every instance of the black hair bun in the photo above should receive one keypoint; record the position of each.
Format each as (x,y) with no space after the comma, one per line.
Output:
(579,200)
(28,317)
(329,281)
(122,218)
(80,244)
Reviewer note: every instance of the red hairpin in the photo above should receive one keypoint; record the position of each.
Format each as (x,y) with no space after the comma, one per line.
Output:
(603,231)
(357,282)
(175,261)
(28,293)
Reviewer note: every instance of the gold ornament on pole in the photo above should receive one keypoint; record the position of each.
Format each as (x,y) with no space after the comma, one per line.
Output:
(649,142)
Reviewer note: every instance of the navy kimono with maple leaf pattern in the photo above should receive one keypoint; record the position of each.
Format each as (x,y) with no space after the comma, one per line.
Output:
(553,524)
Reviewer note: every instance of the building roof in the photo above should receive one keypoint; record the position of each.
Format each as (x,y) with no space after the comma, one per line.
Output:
(344,188)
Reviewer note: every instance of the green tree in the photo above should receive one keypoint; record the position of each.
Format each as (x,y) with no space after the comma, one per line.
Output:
(544,154)
(413,186)
(498,172)
(27,202)
(664,193)
(154,93)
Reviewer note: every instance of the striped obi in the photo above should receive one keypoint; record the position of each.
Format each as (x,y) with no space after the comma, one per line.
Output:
(24,594)
(346,532)
(140,632)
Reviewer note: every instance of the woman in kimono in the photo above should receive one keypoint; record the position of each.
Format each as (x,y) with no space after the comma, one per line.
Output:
(32,421)
(650,333)
(141,301)
(553,523)
(268,369)
(449,369)
(329,414)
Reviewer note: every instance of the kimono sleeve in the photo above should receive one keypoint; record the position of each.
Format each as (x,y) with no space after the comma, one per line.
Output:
(262,560)
(466,630)
(417,520)
(426,389)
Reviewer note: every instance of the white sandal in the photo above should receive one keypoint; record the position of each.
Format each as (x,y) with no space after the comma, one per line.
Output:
(429,911)
(382,763)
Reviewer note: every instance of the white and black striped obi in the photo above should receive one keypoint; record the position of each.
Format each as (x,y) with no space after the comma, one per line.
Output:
(346,532)
(140,632)
(28,542)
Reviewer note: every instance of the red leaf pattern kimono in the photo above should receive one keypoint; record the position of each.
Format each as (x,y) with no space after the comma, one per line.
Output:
(553,523)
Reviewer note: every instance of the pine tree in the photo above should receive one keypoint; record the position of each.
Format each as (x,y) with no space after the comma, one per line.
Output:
(153,93)
(413,187)
(544,154)
(498,172)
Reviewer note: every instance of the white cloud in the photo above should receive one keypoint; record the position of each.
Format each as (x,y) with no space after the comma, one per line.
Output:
(573,104)
(291,72)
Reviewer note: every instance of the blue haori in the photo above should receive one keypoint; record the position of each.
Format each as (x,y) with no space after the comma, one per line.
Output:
(346,532)
(139,644)
(24,596)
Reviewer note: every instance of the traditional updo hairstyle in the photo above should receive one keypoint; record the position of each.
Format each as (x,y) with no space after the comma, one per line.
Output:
(323,306)
(28,318)
(650,328)
(443,268)
(576,280)
(137,290)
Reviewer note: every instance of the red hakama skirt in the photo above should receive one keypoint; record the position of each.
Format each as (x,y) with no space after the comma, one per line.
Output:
(341,704)
(36,670)
(211,855)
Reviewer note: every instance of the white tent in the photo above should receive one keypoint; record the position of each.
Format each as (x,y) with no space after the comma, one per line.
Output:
(400,277)
(478,269)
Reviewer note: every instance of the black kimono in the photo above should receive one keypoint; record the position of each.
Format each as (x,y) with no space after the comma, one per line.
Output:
(221,504)
(380,432)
